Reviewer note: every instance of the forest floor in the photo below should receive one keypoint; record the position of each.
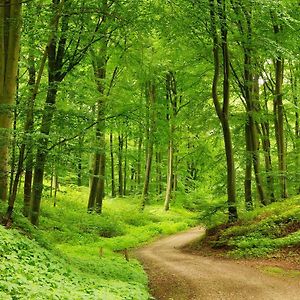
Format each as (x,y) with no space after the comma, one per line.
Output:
(177,274)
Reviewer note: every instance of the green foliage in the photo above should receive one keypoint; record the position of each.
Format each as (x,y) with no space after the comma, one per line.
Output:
(262,231)
(84,258)
(28,271)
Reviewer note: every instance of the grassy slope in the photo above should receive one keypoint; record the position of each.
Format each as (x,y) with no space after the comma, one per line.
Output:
(260,233)
(61,260)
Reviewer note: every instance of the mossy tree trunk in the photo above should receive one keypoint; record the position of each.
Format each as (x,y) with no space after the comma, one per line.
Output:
(10,22)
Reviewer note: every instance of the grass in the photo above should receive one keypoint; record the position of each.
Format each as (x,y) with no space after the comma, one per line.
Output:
(280,272)
(75,255)
(260,233)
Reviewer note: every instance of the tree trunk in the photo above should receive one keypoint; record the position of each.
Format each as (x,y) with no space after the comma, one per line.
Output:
(120,164)
(150,98)
(294,85)
(158,173)
(125,167)
(94,183)
(279,115)
(279,127)
(55,50)
(79,163)
(97,192)
(139,161)
(101,185)
(113,185)
(14,141)
(10,20)
(48,113)
(170,176)
(171,98)
(223,111)
(27,139)
(56,187)
(248,170)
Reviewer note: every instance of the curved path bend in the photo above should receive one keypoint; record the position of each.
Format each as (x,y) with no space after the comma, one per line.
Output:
(176,275)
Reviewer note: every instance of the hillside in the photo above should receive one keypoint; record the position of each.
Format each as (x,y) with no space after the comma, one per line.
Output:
(268,232)
(83,257)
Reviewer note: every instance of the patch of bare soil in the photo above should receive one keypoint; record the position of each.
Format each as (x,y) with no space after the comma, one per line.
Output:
(180,275)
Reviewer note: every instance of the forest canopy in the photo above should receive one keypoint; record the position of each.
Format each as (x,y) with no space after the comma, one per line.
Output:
(191,103)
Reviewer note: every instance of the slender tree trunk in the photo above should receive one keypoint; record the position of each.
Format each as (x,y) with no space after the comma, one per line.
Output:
(268,160)
(223,111)
(170,176)
(113,185)
(79,163)
(279,127)
(158,173)
(150,98)
(27,140)
(94,182)
(14,141)
(254,105)
(147,176)
(56,187)
(120,164)
(41,155)
(171,98)
(294,85)
(101,185)
(97,191)
(279,115)
(102,167)
(125,167)
(79,171)
(55,51)
(248,170)
(51,180)
(139,161)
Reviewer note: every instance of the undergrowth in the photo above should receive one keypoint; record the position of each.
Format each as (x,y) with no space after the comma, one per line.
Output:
(75,255)
(260,232)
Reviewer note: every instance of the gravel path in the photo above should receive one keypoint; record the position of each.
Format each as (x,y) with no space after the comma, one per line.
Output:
(176,275)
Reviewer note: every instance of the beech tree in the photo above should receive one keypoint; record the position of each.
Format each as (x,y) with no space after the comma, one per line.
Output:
(10,22)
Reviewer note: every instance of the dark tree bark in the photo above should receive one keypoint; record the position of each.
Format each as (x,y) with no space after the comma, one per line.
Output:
(56,52)
(223,110)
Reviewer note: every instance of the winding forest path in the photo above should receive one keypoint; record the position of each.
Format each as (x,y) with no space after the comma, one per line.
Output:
(176,275)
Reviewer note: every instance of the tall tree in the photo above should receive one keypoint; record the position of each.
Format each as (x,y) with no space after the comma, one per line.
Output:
(171,98)
(10,22)
(222,110)
(278,110)
(98,180)
(65,51)
(150,101)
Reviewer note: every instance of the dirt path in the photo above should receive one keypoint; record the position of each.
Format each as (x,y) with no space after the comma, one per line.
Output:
(176,275)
